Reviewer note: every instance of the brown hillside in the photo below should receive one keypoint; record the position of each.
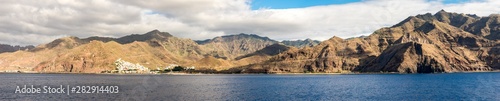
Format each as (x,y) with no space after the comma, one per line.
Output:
(419,44)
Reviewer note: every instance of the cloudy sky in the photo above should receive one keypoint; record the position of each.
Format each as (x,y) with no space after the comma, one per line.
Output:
(33,22)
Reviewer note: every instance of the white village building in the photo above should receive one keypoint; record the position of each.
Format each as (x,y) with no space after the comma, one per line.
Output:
(127,67)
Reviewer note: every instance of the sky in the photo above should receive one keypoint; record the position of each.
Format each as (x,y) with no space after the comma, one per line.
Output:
(34,22)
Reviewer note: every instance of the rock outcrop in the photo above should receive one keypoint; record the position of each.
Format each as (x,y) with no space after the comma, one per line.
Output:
(414,57)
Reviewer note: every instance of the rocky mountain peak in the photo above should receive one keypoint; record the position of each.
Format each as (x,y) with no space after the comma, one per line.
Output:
(235,37)
(442,11)
(151,35)
(61,43)
(411,22)
(270,50)
(301,43)
(157,34)
(332,41)
(455,19)
(443,16)
(154,31)
(97,38)
(231,46)
(487,27)
(426,17)
(336,38)
(494,19)
(243,36)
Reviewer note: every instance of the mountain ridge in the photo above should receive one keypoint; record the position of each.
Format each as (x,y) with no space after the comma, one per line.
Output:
(449,47)
(424,43)
(155,49)
(9,48)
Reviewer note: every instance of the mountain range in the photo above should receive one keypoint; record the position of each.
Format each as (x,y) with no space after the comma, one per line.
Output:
(153,49)
(426,43)
(9,48)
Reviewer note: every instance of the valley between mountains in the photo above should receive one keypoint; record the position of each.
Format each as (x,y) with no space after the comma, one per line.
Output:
(425,43)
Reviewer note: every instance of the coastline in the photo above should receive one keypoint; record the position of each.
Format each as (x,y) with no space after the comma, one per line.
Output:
(345,73)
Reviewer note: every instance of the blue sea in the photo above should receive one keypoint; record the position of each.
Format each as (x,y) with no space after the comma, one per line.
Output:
(454,86)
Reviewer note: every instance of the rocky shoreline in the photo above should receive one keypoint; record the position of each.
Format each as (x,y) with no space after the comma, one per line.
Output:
(346,73)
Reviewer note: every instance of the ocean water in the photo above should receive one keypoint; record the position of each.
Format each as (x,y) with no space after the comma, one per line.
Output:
(456,86)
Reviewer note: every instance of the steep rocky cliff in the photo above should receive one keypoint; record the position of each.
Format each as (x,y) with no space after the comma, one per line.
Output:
(427,43)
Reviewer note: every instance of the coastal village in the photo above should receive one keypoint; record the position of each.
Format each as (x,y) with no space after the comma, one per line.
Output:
(124,67)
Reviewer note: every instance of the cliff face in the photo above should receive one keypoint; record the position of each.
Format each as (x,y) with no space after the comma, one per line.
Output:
(414,57)
(333,55)
(443,42)
(488,27)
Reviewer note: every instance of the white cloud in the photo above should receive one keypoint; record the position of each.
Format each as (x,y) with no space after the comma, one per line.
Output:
(34,22)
